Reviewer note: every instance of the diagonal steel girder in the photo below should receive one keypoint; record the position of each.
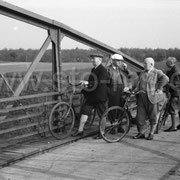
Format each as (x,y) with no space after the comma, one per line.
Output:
(32,67)
(46,23)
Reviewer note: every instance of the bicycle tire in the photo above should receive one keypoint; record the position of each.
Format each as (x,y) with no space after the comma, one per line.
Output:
(114,124)
(162,118)
(90,120)
(61,120)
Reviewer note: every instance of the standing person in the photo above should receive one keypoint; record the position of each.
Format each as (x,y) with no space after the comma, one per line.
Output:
(151,82)
(173,87)
(96,92)
(118,73)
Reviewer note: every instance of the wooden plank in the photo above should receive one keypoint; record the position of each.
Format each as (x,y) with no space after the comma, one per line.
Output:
(21,137)
(17,128)
(21,117)
(28,106)
(20,150)
(29,96)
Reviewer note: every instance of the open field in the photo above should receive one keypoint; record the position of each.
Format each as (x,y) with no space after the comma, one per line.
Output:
(46,67)
(23,66)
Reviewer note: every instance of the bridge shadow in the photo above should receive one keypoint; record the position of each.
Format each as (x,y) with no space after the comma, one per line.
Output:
(174,171)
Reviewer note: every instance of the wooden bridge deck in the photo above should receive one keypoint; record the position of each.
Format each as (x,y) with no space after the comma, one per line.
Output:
(89,159)
(11,152)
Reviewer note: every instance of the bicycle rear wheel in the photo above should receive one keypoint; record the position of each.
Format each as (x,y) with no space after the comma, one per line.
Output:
(162,118)
(114,124)
(61,120)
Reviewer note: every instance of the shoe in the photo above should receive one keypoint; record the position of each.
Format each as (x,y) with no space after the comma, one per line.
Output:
(150,137)
(78,133)
(97,137)
(139,136)
(170,129)
(178,127)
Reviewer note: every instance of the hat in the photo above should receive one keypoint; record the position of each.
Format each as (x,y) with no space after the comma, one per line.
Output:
(171,61)
(96,55)
(117,57)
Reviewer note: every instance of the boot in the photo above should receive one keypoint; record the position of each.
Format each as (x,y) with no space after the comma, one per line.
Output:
(151,133)
(178,126)
(173,126)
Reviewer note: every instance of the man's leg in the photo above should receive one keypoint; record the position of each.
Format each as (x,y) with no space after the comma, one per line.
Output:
(83,120)
(173,118)
(153,117)
(178,127)
(85,112)
(172,111)
(101,107)
(141,115)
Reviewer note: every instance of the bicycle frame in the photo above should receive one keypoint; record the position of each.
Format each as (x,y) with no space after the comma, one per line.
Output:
(128,95)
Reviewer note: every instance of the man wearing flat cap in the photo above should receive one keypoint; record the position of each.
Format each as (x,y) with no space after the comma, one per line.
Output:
(173,87)
(96,92)
(118,73)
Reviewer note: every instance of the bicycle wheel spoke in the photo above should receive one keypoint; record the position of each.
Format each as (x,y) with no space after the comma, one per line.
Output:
(114,124)
(61,120)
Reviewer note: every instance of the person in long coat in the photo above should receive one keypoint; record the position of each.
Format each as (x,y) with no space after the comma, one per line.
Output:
(96,92)
(173,87)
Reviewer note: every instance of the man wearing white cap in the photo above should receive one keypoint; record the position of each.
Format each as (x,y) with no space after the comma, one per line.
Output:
(118,79)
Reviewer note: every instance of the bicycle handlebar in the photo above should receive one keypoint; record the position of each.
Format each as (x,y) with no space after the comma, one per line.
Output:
(134,92)
(77,84)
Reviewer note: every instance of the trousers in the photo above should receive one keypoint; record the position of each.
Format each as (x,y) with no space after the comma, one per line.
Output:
(145,110)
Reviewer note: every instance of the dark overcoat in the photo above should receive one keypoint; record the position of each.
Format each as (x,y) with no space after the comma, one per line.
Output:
(174,81)
(97,89)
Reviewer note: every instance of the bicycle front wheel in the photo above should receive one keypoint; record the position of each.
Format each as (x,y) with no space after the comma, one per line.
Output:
(114,124)
(61,120)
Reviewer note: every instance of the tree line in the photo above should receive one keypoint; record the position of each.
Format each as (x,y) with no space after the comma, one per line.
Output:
(82,55)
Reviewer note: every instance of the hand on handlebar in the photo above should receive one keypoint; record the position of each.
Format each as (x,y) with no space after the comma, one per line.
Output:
(135,91)
(126,89)
(84,83)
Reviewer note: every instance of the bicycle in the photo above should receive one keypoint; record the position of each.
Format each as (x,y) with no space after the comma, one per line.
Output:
(63,116)
(164,113)
(116,121)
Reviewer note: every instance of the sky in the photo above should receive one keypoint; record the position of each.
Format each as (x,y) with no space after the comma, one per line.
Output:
(117,23)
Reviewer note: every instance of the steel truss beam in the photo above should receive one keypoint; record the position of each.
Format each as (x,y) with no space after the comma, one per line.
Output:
(46,23)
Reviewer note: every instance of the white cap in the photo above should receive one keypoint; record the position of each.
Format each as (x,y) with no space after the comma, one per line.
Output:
(117,57)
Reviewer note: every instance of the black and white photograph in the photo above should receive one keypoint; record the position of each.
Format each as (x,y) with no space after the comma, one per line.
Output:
(89,90)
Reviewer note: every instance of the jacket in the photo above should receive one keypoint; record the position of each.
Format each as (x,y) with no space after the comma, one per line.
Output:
(156,80)
(174,81)
(97,89)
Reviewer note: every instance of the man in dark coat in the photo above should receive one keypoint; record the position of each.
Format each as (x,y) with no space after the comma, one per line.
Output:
(96,91)
(173,87)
